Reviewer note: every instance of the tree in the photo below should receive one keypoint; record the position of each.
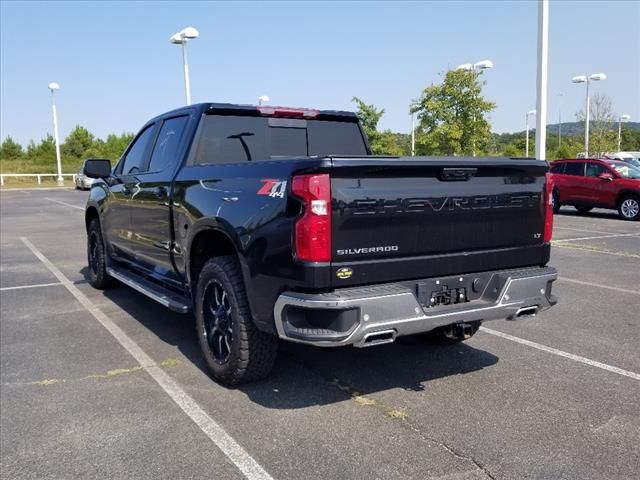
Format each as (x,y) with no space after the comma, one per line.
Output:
(511,151)
(452,116)
(10,149)
(381,143)
(78,142)
(602,133)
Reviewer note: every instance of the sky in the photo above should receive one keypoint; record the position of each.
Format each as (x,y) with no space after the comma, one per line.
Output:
(117,69)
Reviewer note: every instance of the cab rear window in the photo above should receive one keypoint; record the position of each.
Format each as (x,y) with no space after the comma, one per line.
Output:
(232,139)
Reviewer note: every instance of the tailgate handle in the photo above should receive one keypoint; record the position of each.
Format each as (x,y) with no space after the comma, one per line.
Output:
(457,174)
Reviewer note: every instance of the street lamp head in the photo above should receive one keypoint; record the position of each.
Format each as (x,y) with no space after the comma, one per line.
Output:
(531,112)
(53,86)
(624,118)
(483,65)
(598,76)
(579,79)
(465,66)
(188,33)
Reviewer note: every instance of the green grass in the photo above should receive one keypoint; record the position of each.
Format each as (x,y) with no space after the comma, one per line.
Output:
(32,182)
(21,165)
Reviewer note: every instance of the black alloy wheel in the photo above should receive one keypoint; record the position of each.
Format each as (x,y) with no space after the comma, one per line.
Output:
(218,321)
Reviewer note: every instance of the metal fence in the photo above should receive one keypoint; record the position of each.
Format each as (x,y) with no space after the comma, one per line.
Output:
(37,175)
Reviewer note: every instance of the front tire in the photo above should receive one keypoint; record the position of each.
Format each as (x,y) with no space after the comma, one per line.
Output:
(97,257)
(629,207)
(234,350)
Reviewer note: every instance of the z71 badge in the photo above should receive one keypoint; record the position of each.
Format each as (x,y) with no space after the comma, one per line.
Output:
(273,187)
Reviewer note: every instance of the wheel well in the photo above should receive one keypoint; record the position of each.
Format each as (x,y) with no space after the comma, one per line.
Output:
(205,245)
(90,214)
(626,193)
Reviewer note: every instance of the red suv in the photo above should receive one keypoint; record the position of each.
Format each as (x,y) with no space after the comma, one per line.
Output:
(588,183)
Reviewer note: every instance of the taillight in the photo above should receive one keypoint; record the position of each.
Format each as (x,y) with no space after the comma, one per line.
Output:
(548,209)
(287,112)
(313,229)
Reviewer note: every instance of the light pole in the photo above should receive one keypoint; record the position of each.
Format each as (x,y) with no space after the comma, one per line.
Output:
(560,121)
(587,79)
(413,134)
(526,148)
(181,38)
(481,65)
(53,87)
(622,118)
(262,98)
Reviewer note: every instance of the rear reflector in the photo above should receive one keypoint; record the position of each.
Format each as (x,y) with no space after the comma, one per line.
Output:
(287,112)
(548,208)
(313,229)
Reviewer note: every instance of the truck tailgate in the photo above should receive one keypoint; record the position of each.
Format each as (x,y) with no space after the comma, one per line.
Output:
(402,218)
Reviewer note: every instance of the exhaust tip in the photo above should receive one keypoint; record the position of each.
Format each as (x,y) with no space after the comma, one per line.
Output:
(524,312)
(378,338)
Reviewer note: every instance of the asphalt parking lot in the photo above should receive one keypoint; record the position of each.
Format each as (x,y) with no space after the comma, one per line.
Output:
(552,397)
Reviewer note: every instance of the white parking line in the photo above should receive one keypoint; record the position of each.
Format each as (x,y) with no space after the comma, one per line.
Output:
(612,235)
(232,449)
(21,287)
(555,351)
(64,203)
(597,285)
(582,230)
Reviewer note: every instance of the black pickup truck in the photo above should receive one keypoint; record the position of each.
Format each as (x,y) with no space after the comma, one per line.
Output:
(269,222)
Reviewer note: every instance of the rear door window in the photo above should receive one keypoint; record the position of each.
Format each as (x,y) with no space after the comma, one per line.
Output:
(557,168)
(595,169)
(574,168)
(165,153)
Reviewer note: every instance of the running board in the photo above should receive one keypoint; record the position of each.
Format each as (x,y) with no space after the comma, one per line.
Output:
(163,296)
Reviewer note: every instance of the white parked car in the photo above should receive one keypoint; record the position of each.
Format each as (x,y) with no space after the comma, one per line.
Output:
(632,158)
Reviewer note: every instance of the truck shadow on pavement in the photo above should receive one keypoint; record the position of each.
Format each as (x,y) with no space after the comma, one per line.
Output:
(304,376)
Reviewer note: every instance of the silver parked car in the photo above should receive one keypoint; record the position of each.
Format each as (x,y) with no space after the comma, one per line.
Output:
(82,181)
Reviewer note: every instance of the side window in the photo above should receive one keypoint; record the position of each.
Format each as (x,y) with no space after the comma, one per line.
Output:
(137,154)
(574,168)
(165,152)
(557,167)
(595,169)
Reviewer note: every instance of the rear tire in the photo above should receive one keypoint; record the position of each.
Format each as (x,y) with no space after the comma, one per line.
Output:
(452,334)
(556,202)
(629,207)
(583,210)
(97,258)
(234,350)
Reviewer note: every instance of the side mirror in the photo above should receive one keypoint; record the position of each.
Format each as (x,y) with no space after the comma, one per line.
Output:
(606,177)
(97,168)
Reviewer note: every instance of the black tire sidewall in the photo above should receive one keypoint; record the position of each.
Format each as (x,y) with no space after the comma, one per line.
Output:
(210,273)
(101,278)
(556,202)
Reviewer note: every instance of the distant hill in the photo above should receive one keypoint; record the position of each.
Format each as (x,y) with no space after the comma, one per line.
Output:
(575,128)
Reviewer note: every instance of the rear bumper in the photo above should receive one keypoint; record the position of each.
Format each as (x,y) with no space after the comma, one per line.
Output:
(376,314)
